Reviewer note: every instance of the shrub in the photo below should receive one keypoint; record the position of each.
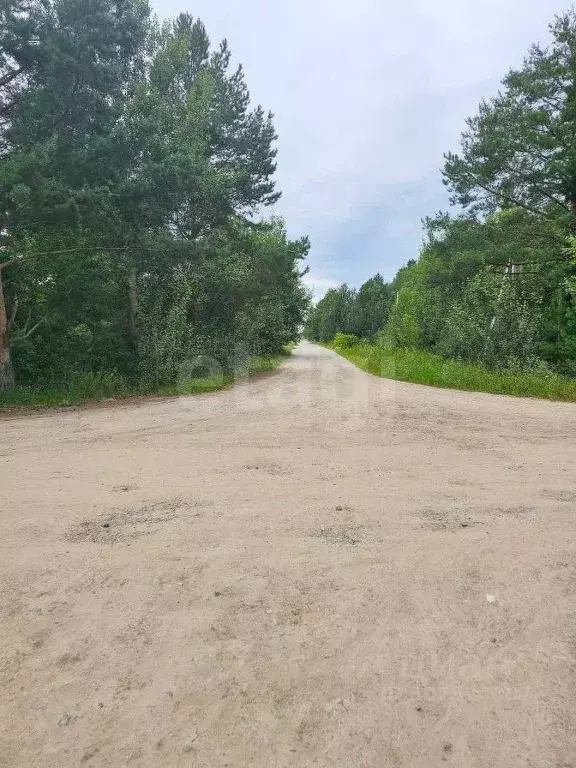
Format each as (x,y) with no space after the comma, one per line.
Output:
(492,324)
(346,340)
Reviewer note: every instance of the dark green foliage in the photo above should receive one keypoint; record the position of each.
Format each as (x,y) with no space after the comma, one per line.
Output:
(520,149)
(372,306)
(132,164)
(348,311)
(495,284)
(80,387)
(501,291)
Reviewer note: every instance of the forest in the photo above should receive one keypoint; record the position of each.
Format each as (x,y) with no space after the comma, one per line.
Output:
(495,281)
(134,170)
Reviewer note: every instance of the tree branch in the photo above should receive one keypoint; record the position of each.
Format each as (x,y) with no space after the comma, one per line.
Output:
(23,256)
(565,260)
(509,199)
(9,76)
(28,331)
(8,263)
(550,102)
(12,315)
(34,327)
(555,200)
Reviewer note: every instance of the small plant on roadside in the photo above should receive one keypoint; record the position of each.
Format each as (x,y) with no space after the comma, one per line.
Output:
(346,340)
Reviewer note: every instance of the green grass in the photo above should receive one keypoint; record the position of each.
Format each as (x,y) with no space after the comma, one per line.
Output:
(91,387)
(420,367)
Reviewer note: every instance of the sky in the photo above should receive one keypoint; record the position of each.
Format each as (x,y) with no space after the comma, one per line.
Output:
(367,96)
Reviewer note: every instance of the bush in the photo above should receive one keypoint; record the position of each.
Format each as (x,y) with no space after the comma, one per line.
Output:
(346,340)
(492,324)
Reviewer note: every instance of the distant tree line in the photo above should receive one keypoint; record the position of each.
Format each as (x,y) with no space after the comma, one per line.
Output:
(362,312)
(496,280)
(131,166)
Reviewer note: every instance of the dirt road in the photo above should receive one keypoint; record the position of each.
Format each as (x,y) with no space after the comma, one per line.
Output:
(294,572)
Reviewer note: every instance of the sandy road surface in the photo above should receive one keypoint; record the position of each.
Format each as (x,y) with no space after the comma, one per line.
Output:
(290,573)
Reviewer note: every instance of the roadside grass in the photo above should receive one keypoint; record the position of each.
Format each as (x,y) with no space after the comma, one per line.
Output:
(420,367)
(93,387)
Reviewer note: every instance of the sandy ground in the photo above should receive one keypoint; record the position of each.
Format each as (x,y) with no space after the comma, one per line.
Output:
(293,572)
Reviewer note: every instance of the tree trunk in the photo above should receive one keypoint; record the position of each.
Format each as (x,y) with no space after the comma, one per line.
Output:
(7,378)
(7,375)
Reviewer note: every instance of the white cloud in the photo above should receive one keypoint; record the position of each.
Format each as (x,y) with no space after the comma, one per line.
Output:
(318,285)
(367,97)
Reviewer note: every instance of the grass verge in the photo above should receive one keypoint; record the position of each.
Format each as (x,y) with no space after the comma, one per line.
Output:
(421,367)
(93,387)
